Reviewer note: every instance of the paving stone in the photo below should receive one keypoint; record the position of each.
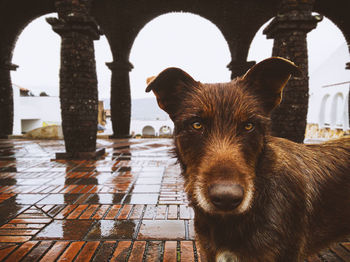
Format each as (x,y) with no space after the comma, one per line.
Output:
(129,205)
(65,230)
(162,229)
(113,229)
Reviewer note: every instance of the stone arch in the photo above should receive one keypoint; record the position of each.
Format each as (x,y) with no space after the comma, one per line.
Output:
(337,15)
(325,102)
(149,18)
(148,131)
(337,106)
(143,68)
(165,131)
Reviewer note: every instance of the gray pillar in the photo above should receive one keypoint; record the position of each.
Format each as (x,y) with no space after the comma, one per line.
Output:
(120,98)
(289,30)
(6,99)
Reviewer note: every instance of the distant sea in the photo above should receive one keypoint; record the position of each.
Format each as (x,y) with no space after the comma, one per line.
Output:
(143,109)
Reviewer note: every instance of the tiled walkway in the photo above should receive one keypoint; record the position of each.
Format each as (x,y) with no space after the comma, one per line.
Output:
(128,206)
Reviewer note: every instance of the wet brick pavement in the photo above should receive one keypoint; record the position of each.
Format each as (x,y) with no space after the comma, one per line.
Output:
(127,206)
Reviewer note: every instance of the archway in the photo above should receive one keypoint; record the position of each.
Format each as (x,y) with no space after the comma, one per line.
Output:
(324,113)
(328,55)
(36,81)
(165,131)
(337,111)
(261,47)
(182,40)
(148,131)
(37,52)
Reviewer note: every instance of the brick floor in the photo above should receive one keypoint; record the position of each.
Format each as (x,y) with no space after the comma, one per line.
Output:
(127,206)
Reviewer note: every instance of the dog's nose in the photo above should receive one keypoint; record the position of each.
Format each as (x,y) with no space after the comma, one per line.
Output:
(226,196)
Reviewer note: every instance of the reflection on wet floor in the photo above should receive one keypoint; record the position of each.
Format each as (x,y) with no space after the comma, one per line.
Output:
(127,206)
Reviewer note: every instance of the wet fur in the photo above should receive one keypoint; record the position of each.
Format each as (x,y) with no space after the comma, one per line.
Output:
(297,196)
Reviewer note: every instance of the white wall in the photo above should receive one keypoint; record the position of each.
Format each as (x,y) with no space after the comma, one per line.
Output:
(31,111)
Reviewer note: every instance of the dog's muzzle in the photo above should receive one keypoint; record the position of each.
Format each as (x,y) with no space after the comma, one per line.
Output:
(226,197)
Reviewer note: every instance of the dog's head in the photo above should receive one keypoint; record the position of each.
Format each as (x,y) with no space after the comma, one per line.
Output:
(220,130)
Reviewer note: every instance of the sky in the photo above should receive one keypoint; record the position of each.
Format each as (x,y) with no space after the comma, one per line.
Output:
(178,39)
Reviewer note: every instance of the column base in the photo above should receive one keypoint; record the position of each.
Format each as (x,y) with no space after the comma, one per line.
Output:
(80,155)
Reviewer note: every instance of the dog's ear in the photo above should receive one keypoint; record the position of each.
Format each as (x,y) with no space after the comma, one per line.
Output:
(268,78)
(170,87)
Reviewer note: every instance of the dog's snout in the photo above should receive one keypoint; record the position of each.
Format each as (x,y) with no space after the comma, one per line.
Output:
(226,196)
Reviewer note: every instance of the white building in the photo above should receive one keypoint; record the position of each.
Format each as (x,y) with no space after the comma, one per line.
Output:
(32,112)
(328,113)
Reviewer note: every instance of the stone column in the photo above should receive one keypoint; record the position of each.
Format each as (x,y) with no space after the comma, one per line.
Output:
(78,80)
(120,98)
(6,99)
(289,29)
(348,68)
(239,68)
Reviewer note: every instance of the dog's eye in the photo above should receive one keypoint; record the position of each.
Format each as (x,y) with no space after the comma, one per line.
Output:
(197,125)
(248,127)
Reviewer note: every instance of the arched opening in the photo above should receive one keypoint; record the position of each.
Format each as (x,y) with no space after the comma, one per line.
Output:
(337,111)
(328,54)
(182,40)
(148,131)
(324,112)
(103,55)
(165,131)
(261,47)
(36,81)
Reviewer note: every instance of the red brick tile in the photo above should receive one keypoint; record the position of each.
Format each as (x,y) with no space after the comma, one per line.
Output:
(14,239)
(136,212)
(125,212)
(68,189)
(22,251)
(18,232)
(161,212)
(24,226)
(172,212)
(54,251)
(154,251)
(87,189)
(75,214)
(77,189)
(87,252)
(5,251)
(170,251)
(31,221)
(187,251)
(65,211)
(113,212)
(105,251)
(38,251)
(70,253)
(137,251)
(101,212)
(88,212)
(341,252)
(121,251)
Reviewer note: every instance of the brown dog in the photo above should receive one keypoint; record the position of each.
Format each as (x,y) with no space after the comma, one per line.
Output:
(256,197)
